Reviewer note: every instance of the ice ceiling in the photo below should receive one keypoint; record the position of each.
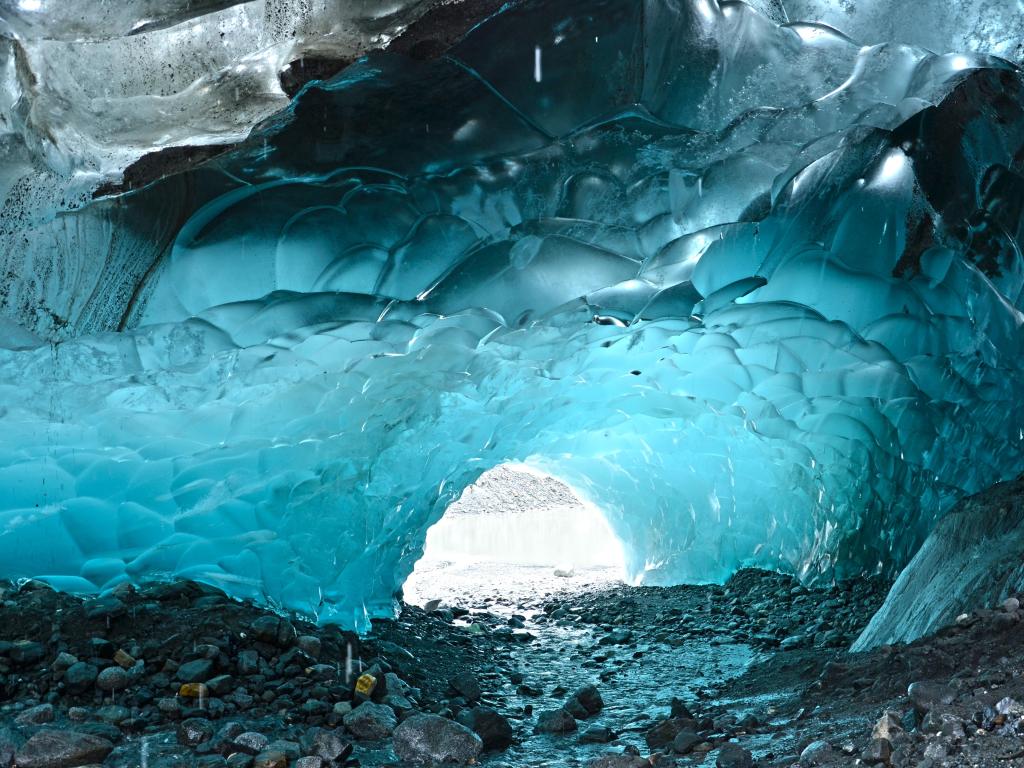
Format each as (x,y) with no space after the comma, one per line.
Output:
(749,285)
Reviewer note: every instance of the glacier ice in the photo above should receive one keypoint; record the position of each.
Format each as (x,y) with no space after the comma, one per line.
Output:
(750,287)
(970,560)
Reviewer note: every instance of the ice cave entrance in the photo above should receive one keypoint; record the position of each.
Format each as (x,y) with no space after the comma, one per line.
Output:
(515,530)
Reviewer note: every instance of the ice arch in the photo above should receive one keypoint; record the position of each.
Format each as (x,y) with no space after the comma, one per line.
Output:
(752,288)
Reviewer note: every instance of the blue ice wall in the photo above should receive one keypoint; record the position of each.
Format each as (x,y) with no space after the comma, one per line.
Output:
(752,289)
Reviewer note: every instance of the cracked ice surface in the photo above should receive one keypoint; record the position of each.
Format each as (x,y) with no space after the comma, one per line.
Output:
(751,289)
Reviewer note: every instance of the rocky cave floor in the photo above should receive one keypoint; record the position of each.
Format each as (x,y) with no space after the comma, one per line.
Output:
(607,676)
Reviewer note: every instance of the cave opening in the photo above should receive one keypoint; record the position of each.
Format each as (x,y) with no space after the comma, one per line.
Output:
(515,530)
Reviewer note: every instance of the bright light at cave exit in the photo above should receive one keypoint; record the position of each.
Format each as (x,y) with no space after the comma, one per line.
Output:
(484,541)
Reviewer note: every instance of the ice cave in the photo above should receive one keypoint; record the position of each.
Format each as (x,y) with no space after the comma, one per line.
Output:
(282,280)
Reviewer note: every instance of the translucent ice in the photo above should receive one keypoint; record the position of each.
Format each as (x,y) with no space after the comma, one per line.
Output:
(750,288)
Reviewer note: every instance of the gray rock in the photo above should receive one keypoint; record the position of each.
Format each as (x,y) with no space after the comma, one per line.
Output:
(576,709)
(250,742)
(685,741)
(112,679)
(273,630)
(291,749)
(36,715)
(198,671)
(598,734)
(467,686)
(63,661)
(311,761)
(816,753)
(194,731)
(555,721)
(590,699)
(248,662)
(494,730)
(113,714)
(220,685)
(430,738)
(80,677)
(889,726)
(25,652)
(62,749)
(732,755)
(877,751)
(310,645)
(662,734)
(371,721)
(925,696)
(330,746)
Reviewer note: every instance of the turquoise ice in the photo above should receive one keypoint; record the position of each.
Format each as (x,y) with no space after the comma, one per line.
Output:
(752,288)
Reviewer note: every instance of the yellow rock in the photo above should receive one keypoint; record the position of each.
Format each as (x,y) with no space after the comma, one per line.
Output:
(123,659)
(365,685)
(193,691)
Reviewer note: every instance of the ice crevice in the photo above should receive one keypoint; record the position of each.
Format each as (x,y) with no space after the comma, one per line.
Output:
(750,287)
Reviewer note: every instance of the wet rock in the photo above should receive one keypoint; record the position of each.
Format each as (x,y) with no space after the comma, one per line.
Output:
(555,721)
(684,742)
(589,698)
(664,733)
(310,761)
(494,730)
(732,755)
(598,734)
(430,738)
(62,749)
(371,721)
(467,686)
(616,637)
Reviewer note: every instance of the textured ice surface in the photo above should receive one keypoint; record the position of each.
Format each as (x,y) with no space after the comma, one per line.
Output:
(751,289)
(972,559)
